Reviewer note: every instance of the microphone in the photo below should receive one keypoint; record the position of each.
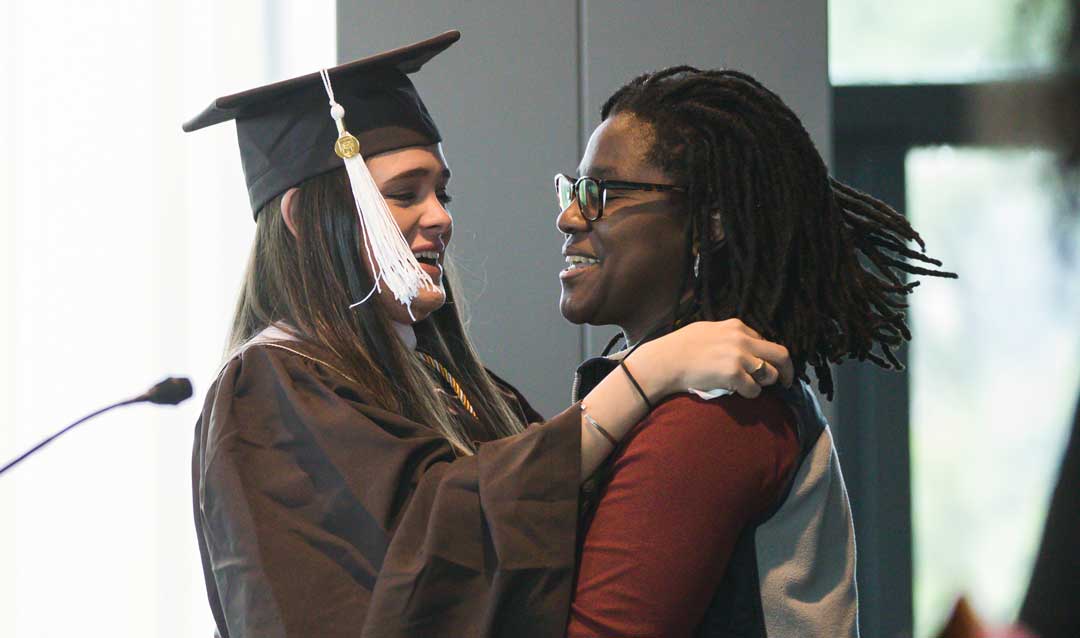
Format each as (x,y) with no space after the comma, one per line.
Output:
(171,391)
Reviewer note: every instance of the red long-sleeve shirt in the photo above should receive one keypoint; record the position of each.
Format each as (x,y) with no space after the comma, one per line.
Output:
(685,483)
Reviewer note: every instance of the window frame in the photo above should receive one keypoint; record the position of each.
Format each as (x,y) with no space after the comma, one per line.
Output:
(874,127)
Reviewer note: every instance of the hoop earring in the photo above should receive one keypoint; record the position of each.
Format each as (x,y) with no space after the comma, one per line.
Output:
(697,265)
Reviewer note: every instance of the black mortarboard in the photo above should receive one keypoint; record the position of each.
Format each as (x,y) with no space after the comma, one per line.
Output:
(287,136)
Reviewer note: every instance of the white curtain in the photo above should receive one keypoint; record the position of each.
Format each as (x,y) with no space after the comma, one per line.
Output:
(122,242)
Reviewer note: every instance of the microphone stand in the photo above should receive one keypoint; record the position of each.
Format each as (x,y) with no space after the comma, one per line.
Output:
(170,391)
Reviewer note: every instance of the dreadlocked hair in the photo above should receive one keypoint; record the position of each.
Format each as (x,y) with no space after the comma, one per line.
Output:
(805,260)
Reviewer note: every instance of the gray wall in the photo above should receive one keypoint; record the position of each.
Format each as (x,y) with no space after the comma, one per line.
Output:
(517,98)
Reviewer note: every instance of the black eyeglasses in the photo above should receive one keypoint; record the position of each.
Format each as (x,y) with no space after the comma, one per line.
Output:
(591,193)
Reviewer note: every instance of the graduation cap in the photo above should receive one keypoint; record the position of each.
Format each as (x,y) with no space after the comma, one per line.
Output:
(293,130)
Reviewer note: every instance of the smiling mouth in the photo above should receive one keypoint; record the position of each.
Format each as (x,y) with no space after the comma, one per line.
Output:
(429,263)
(429,257)
(573,262)
(577,265)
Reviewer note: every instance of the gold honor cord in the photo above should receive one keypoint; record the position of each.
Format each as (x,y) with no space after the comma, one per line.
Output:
(450,380)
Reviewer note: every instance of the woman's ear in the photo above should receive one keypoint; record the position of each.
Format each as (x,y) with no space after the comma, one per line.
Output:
(287,209)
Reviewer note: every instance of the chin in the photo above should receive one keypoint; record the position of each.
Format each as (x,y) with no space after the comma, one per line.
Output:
(573,312)
(427,302)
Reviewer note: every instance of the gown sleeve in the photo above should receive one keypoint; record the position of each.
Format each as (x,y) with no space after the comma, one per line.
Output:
(319,515)
(683,485)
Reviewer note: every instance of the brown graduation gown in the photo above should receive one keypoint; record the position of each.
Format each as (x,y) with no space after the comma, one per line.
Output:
(318,515)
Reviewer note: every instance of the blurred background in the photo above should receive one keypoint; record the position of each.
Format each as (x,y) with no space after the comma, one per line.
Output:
(122,243)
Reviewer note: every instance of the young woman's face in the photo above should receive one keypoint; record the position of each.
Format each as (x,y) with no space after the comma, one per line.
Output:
(638,243)
(413,182)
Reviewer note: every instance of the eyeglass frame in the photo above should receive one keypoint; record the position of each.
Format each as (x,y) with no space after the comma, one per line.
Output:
(604,185)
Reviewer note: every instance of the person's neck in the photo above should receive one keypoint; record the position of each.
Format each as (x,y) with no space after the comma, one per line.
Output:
(636,334)
(406,333)
(650,325)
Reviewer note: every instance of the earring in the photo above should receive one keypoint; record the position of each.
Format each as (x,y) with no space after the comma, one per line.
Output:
(697,265)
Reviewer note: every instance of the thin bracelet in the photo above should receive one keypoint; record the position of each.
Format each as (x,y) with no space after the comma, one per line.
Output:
(599,428)
(637,386)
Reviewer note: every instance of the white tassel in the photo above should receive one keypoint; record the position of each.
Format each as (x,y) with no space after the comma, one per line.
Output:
(389,255)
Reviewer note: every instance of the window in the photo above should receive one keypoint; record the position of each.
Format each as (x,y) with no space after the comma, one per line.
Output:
(994,366)
(918,41)
(124,241)
(951,463)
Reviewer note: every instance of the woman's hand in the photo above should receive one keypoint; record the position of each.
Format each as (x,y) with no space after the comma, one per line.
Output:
(710,354)
(705,355)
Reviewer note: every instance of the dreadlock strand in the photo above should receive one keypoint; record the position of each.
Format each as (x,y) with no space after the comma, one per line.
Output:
(870,207)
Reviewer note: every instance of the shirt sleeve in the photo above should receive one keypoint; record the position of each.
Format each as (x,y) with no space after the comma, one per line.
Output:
(684,484)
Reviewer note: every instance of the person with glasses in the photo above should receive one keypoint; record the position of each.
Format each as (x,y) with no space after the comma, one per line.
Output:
(356,470)
(701,196)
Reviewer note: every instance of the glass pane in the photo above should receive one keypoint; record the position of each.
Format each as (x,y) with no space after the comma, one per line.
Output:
(888,42)
(123,244)
(995,362)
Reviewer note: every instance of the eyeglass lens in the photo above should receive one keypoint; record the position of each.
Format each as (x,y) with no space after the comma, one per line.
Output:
(587,193)
(589,198)
(564,186)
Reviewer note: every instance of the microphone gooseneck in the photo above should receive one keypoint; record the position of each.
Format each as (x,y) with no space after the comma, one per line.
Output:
(171,391)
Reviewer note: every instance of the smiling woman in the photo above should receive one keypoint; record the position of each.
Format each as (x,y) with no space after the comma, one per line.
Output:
(729,517)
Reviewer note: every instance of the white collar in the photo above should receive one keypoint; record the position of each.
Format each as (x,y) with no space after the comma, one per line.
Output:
(618,356)
(275,333)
